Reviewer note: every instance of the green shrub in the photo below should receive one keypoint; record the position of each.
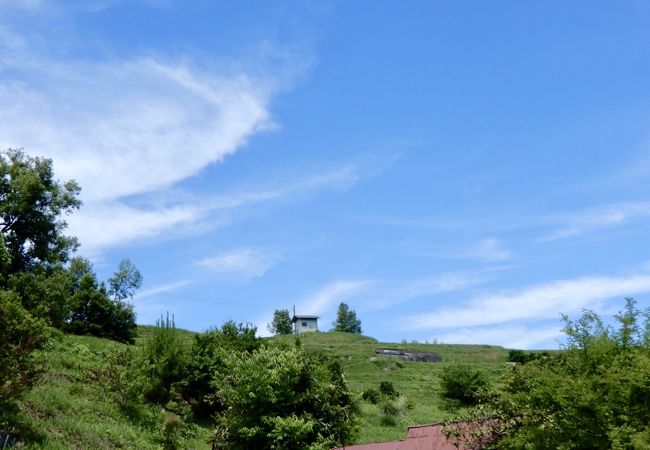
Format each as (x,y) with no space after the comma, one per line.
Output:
(388,421)
(283,399)
(371,395)
(165,358)
(462,384)
(206,362)
(20,336)
(387,389)
(171,431)
(119,377)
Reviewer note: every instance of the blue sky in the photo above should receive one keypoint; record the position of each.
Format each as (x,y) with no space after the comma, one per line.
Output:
(462,172)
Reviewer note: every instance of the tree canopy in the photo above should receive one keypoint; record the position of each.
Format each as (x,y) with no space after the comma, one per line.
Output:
(282,399)
(346,320)
(32,203)
(281,323)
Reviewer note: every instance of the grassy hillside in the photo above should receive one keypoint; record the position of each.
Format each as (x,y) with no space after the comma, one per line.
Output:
(70,409)
(417,381)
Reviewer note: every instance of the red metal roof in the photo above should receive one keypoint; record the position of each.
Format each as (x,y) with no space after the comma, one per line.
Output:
(420,437)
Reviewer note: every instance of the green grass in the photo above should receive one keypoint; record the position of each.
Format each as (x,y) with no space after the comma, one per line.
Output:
(417,381)
(67,409)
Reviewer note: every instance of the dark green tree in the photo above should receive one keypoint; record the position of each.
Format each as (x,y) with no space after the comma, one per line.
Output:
(125,281)
(94,313)
(32,204)
(346,320)
(281,323)
(282,399)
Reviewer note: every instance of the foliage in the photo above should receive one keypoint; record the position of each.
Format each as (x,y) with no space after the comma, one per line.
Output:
(346,320)
(123,284)
(207,361)
(281,323)
(462,383)
(94,313)
(165,359)
(521,357)
(20,336)
(371,395)
(595,394)
(32,203)
(283,399)
(387,389)
(120,378)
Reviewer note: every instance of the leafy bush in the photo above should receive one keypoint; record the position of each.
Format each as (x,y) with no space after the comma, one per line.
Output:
(387,389)
(120,378)
(462,384)
(282,399)
(521,357)
(371,395)
(165,358)
(20,336)
(206,362)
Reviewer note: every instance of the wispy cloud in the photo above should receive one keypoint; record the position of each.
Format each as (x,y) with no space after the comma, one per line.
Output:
(596,218)
(520,337)
(388,293)
(328,296)
(161,289)
(241,264)
(544,301)
(129,130)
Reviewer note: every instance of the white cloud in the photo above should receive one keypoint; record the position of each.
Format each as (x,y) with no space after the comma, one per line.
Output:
(520,337)
(241,264)
(133,127)
(161,289)
(596,218)
(387,294)
(543,301)
(489,250)
(326,297)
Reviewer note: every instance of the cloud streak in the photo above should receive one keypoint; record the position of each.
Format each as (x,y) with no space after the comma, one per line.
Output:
(544,301)
(241,264)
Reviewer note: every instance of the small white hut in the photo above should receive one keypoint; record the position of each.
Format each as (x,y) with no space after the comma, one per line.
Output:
(304,324)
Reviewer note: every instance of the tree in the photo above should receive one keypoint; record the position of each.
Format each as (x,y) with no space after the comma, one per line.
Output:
(93,312)
(207,361)
(346,320)
(125,281)
(32,203)
(282,399)
(595,394)
(281,323)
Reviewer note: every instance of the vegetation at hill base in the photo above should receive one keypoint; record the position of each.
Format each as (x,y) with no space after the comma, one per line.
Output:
(595,394)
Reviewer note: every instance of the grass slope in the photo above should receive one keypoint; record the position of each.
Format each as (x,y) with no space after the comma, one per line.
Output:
(69,410)
(417,381)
